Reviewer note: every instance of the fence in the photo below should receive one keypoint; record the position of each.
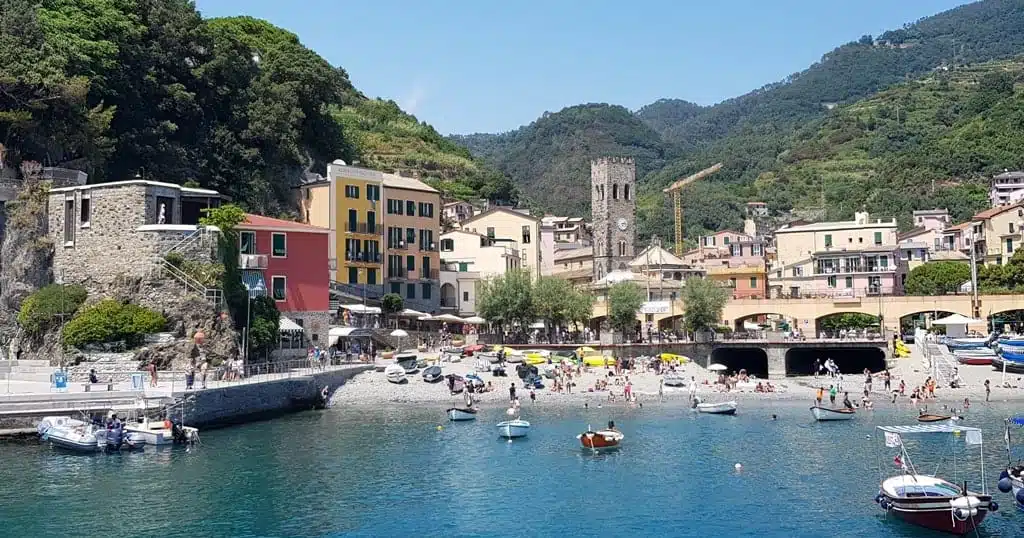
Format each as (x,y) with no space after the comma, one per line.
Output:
(260,372)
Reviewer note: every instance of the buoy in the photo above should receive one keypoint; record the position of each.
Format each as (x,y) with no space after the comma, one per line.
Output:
(1004,485)
(439,428)
(738,467)
(510,412)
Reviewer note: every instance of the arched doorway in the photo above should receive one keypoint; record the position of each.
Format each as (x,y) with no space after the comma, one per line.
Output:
(909,323)
(448,297)
(1007,321)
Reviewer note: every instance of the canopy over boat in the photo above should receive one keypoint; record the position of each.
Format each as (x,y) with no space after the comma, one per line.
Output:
(928,428)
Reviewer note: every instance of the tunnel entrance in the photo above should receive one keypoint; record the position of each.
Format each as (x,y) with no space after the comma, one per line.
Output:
(753,359)
(800,360)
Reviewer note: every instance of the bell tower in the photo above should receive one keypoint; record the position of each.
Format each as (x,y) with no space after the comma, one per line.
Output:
(613,211)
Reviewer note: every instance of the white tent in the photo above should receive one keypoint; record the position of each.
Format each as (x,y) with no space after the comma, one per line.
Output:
(449,318)
(410,313)
(476,320)
(957,319)
(336,333)
(361,309)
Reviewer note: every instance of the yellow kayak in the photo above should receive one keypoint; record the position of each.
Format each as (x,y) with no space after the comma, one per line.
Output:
(585,351)
(669,357)
(599,360)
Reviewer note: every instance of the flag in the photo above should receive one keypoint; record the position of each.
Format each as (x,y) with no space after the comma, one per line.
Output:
(892,439)
(897,461)
(973,437)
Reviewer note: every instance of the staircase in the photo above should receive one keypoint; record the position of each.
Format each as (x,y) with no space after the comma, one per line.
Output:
(26,370)
(188,248)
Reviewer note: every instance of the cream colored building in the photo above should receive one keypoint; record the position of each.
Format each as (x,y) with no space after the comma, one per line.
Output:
(505,226)
(995,234)
(470,251)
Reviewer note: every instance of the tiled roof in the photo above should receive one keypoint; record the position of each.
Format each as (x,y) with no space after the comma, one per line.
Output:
(989,213)
(259,221)
(911,233)
(572,254)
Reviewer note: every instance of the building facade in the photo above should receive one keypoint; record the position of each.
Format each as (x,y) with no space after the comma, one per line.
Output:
(287,261)
(613,207)
(412,230)
(458,211)
(1006,188)
(511,227)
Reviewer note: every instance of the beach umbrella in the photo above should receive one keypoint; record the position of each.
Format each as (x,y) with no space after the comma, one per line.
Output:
(399,334)
(718,367)
(476,320)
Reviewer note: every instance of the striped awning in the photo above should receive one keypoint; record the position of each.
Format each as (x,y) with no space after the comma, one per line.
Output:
(254,282)
(928,428)
(288,324)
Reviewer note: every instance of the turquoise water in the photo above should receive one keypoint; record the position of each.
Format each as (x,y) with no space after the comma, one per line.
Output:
(347,472)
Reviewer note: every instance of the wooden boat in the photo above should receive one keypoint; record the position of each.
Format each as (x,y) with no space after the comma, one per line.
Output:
(929,418)
(456,383)
(930,501)
(461,413)
(822,414)
(512,429)
(970,359)
(720,408)
(1011,366)
(432,374)
(673,379)
(602,439)
(472,350)
(395,374)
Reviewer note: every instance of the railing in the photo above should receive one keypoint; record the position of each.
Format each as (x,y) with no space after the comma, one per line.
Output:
(362,227)
(252,261)
(398,246)
(213,295)
(839,293)
(370,291)
(855,269)
(226,375)
(363,257)
(398,272)
(431,247)
(188,240)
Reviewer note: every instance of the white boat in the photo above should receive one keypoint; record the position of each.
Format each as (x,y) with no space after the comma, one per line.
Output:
(515,356)
(482,365)
(513,428)
(720,408)
(489,356)
(673,379)
(461,413)
(395,373)
(72,433)
(823,413)
(161,432)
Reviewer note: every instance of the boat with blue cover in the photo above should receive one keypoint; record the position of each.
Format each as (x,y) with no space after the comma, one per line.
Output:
(1011,480)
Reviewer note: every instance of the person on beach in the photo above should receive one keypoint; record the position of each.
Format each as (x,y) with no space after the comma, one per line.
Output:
(512,392)
(817,367)
(967,404)
(867,381)
(846,401)
(190,374)
(988,390)
(887,380)
(152,373)
(820,396)
(832,391)
(533,396)
(203,370)
(661,390)
(903,388)
(92,377)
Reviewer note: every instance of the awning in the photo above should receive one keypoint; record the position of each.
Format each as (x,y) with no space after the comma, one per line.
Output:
(253,281)
(957,319)
(287,324)
(361,309)
(337,333)
(410,313)
(449,318)
(476,320)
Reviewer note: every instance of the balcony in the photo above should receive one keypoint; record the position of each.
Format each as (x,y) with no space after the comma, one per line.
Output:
(252,261)
(398,246)
(850,269)
(362,228)
(429,248)
(398,272)
(363,257)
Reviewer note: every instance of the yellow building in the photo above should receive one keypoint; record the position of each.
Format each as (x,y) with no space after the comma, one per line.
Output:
(511,225)
(347,202)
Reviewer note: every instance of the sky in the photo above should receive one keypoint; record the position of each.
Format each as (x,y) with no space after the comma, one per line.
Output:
(468,66)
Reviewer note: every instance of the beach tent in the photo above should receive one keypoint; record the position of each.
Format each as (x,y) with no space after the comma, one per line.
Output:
(410,313)
(956,325)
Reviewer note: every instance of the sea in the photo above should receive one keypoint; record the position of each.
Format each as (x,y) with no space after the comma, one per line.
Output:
(405,471)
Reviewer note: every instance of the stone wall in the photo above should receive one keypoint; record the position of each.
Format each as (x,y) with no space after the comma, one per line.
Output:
(613,198)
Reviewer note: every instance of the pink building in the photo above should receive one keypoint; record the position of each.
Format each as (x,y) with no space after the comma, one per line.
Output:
(731,249)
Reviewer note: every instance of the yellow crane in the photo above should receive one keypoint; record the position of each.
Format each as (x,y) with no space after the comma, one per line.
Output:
(677,200)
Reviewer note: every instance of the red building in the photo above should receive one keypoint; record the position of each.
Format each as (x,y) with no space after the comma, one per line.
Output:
(289,262)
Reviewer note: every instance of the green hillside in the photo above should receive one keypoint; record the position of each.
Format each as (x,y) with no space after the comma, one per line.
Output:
(150,88)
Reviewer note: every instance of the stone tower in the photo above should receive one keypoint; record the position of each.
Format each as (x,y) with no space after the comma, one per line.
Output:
(613,210)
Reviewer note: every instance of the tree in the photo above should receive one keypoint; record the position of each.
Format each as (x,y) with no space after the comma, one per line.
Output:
(704,300)
(391,304)
(581,308)
(937,278)
(624,300)
(507,300)
(264,325)
(226,219)
(49,305)
(848,321)
(552,300)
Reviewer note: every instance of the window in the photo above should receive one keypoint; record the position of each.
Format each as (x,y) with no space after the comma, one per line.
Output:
(410,236)
(878,238)
(849,282)
(247,242)
(625,192)
(396,288)
(84,214)
(279,245)
(490,232)
(526,234)
(426,209)
(1011,224)
(447,245)
(353,218)
(164,210)
(732,282)
(371,222)
(1009,245)
(395,207)
(883,261)
(725,240)
(615,191)
(277,287)
(351,191)
(69,221)
(410,263)
(465,296)
(353,275)
(463,267)
(753,282)
(410,291)
(860,239)
(622,248)
(373,192)
(426,269)
(756,250)
(425,290)
(832,281)
(410,208)
(828,240)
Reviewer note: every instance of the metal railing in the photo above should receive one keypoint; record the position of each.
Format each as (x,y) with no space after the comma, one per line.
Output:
(199,233)
(226,375)
(362,227)
(364,257)
(252,261)
(213,295)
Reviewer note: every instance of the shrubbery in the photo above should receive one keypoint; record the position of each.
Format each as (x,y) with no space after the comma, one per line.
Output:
(111,321)
(47,306)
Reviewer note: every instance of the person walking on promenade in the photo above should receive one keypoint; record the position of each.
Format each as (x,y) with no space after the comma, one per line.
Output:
(152,373)
(817,368)
(887,380)
(190,374)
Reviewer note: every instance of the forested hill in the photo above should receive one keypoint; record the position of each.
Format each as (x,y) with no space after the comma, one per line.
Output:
(148,87)
(763,131)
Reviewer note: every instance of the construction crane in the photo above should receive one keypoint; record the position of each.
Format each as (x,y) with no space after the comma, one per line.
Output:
(677,200)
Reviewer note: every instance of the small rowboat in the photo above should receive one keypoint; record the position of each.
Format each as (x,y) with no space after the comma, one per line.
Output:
(461,413)
(720,408)
(512,429)
(601,440)
(975,360)
(929,418)
(824,413)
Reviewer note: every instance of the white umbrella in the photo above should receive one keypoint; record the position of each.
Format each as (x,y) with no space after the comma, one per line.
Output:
(410,313)
(957,319)
(476,320)
(425,317)
(449,318)
(399,334)
(718,367)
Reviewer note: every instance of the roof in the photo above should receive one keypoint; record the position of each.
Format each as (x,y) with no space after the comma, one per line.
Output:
(457,202)
(508,210)
(923,212)
(411,184)
(573,253)
(991,212)
(836,225)
(656,256)
(574,274)
(140,182)
(911,233)
(1010,175)
(957,227)
(948,256)
(929,428)
(259,222)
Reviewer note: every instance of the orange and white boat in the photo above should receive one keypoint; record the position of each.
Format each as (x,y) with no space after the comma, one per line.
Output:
(602,439)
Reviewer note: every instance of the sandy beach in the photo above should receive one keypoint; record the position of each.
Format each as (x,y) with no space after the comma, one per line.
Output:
(371,388)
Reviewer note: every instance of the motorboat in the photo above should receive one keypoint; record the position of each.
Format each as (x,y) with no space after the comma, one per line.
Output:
(161,432)
(605,439)
(822,414)
(83,436)
(975,357)
(966,342)
(1010,365)
(719,408)
(674,379)
(1011,479)
(512,429)
(407,361)
(456,383)
(482,365)
(461,413)
(432,374)
(395,374)
(490,356)
(929,501)
(931,418)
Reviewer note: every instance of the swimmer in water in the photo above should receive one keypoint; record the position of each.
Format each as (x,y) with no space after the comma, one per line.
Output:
(775,417)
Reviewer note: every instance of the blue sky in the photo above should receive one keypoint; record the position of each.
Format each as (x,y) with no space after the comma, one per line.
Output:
(469,66)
